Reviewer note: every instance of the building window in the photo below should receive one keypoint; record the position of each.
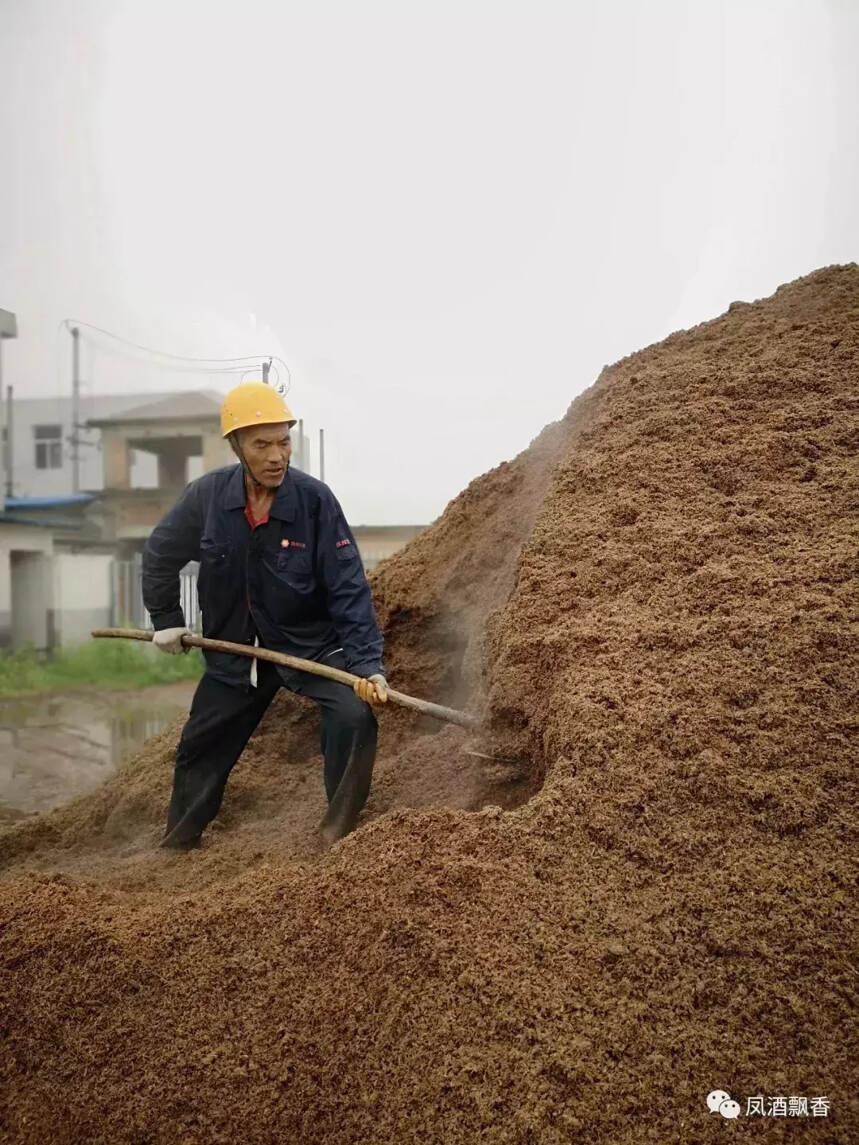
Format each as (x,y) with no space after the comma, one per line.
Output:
(49,446)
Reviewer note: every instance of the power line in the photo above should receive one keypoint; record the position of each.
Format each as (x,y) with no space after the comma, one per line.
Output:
(118,352)
(159,353)
(222,365)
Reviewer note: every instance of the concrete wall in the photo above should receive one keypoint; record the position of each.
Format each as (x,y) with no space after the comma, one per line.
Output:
(82,595)
(31,599)
(26,588)
(179,452)
(216,452)
(49,598)
(134,513)
(117,459)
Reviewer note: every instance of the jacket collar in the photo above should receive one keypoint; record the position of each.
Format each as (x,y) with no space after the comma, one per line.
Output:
(285,500)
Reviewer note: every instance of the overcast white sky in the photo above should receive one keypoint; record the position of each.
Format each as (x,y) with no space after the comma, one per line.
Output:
(445,216)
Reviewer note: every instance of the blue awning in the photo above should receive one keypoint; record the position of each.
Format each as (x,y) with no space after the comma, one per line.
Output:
(49,502)
(5,519)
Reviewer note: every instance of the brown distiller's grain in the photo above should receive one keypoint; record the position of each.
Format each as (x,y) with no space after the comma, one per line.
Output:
(655,607)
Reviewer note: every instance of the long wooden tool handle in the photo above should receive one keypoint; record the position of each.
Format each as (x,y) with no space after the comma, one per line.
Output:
(451,715)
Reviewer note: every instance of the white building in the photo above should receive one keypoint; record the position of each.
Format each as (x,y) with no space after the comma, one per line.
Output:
(47,597)
(56,581)
(42,444)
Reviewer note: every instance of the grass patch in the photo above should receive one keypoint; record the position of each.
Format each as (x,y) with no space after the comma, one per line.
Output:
(114,664)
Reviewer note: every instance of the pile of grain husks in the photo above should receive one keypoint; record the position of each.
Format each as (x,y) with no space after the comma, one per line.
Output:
(656,605)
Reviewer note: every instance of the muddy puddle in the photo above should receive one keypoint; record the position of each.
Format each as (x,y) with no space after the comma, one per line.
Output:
(56,747)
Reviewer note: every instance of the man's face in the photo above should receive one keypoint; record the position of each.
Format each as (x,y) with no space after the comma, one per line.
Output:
(267,450)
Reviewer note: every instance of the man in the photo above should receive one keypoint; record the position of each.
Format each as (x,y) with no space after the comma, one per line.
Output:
(279,567)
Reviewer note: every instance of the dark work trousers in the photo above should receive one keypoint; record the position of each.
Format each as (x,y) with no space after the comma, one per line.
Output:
(222,720)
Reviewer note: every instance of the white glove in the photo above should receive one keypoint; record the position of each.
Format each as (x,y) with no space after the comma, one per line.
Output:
(170,640)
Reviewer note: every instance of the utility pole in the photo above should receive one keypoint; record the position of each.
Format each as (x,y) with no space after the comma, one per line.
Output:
(8,329)
(7,432)
(76,402)
(10,491)
(266,366)
(321,455)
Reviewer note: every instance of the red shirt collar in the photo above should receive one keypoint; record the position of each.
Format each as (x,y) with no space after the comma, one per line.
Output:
(250,518)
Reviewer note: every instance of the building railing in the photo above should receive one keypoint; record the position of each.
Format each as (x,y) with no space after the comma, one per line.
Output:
(127,608)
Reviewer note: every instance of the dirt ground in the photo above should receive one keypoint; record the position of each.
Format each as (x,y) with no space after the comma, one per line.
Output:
(655,609)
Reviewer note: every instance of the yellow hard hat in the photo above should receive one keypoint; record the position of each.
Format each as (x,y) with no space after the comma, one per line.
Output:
(253,403)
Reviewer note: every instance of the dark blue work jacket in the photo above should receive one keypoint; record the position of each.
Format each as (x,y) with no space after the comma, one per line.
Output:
(296,582)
